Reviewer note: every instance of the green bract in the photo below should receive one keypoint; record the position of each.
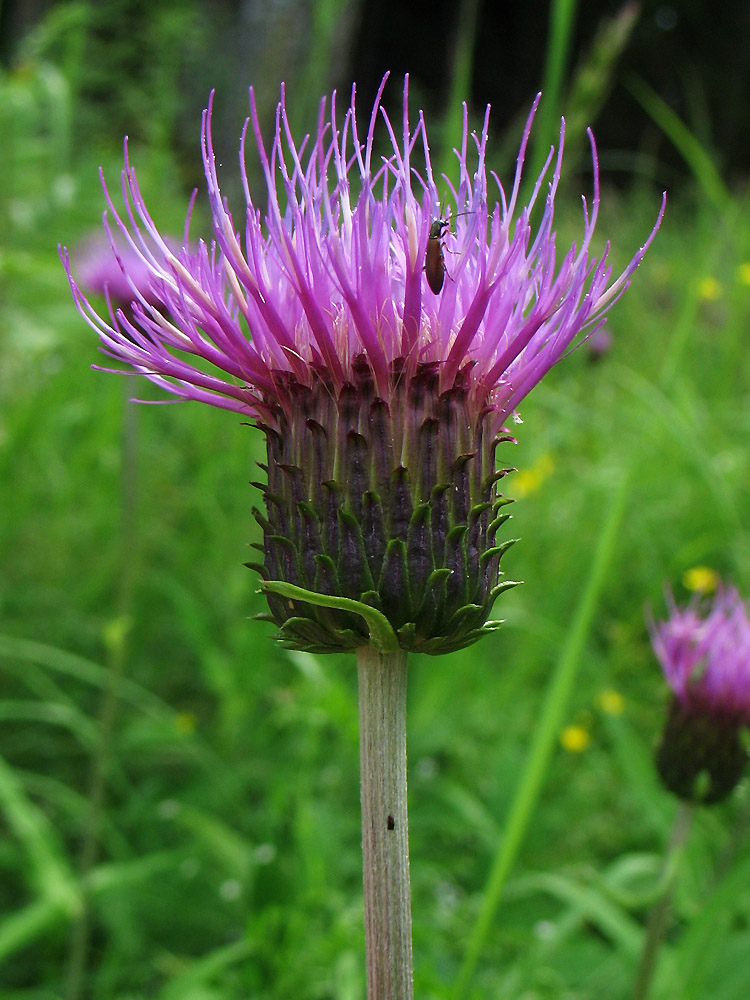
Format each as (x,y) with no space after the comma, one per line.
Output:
(392,504)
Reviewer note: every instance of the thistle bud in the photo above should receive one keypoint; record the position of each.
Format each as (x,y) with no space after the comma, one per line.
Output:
(704,651)
(390,502)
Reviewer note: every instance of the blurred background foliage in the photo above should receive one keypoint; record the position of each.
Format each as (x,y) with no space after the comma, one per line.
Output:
(145,68)
(178,796)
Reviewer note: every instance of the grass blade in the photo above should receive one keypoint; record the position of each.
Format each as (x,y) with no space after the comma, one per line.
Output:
(691,150)
(544,738)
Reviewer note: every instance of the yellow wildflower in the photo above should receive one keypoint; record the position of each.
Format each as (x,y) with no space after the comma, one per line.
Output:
(701,578)
(709,289)
(575,739)
(529,480)
(610,702)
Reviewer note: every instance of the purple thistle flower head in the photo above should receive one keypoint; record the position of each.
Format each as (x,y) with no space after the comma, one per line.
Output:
(599,344)
(704,651)
(379,343)
(335,271)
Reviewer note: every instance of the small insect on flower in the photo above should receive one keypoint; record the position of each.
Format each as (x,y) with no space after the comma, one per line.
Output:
(434,262)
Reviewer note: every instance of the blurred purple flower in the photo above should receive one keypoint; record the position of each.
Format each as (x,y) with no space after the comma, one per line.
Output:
(704,651)
(599,344)
(119,272)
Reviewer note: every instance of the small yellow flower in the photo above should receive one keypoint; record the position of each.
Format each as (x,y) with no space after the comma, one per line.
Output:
(185,723)
(743,273)
(701,578)
(575,739)
(709,289)
(610,702)
(529,480)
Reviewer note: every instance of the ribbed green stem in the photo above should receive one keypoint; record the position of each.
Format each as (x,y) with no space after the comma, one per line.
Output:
(117,642)
(657,921)
(562,15)
(385,830)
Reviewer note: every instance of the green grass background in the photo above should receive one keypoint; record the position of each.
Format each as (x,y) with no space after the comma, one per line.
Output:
(226,768)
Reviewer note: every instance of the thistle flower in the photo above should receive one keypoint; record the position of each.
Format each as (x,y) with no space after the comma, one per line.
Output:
(113,271)
(382,395)
(704,651)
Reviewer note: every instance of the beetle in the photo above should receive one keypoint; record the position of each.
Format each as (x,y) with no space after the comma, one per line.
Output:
(434,262)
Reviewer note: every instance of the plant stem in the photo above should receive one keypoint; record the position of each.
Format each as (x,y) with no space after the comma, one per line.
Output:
(536,768)
(385,830)
(657,920)
(117,646)
(562,15)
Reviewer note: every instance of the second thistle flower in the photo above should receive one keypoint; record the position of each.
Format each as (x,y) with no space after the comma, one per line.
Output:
(704,651)
(382,391)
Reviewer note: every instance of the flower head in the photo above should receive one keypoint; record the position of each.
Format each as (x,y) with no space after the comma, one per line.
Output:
(114,271)
(382,386)
(704,651)
(334,272)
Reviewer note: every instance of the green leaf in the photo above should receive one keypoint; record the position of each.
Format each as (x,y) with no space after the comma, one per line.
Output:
(382,635)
